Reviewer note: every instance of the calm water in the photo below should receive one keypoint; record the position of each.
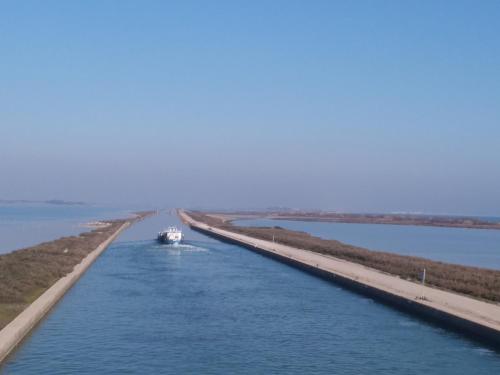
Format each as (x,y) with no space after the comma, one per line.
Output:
(215,308)
(23,225)
(474,247)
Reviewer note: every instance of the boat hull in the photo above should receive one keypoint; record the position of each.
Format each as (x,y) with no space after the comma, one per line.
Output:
(169,241)
(170,236)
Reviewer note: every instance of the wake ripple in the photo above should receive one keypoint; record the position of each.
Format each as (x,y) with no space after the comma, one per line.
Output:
(180,247)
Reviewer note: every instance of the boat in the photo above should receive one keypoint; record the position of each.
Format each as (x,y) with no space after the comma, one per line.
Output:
(171,235)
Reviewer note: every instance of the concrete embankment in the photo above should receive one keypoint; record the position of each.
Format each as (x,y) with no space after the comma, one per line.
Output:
(472,317)
(13,333)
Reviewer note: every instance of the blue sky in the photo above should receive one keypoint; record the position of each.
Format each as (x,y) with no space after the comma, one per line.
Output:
(356,106)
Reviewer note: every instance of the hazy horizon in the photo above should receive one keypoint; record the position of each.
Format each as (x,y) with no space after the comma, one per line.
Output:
(360,107)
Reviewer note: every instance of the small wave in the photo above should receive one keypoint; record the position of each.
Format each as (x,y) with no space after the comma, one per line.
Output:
(484,351)
(408,323)
(181,247)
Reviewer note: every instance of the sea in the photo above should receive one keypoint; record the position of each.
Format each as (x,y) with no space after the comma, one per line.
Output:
(208,307)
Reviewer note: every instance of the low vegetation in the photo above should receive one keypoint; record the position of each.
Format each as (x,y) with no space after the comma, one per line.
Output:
(26,273)
(472,281)
(388,219)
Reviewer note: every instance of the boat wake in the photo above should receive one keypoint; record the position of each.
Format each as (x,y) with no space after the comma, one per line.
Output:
(181,247)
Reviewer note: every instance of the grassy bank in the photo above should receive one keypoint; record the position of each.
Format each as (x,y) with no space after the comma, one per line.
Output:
(26,273)
(472,281)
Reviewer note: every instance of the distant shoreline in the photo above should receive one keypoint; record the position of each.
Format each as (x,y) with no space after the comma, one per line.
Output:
(56,202)
(465,222)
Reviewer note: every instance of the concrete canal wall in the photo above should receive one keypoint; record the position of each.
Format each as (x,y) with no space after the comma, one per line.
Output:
(13,333)
(469,316)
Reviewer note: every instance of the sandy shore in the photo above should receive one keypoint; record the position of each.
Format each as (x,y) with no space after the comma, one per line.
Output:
(472,310)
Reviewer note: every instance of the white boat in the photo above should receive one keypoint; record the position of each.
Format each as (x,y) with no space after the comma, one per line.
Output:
(171,235)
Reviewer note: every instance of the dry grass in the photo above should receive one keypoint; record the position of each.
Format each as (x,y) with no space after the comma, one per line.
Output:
(26,273)
(472,281)
(391,219)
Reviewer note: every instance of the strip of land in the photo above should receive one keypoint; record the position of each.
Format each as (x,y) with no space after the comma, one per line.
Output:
(476,317)
(27,273)
(388,219)
(472,281)
(33,280)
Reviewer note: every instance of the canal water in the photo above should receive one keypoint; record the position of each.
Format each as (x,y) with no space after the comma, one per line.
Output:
(213,308)
(472,247)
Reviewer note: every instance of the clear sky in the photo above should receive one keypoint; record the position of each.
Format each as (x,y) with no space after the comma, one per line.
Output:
(347,105)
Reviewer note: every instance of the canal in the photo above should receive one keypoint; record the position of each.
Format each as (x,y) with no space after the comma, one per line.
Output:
(210,307)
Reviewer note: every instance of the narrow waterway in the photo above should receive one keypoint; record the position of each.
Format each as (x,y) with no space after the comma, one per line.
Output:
(472,247)
(210,308)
